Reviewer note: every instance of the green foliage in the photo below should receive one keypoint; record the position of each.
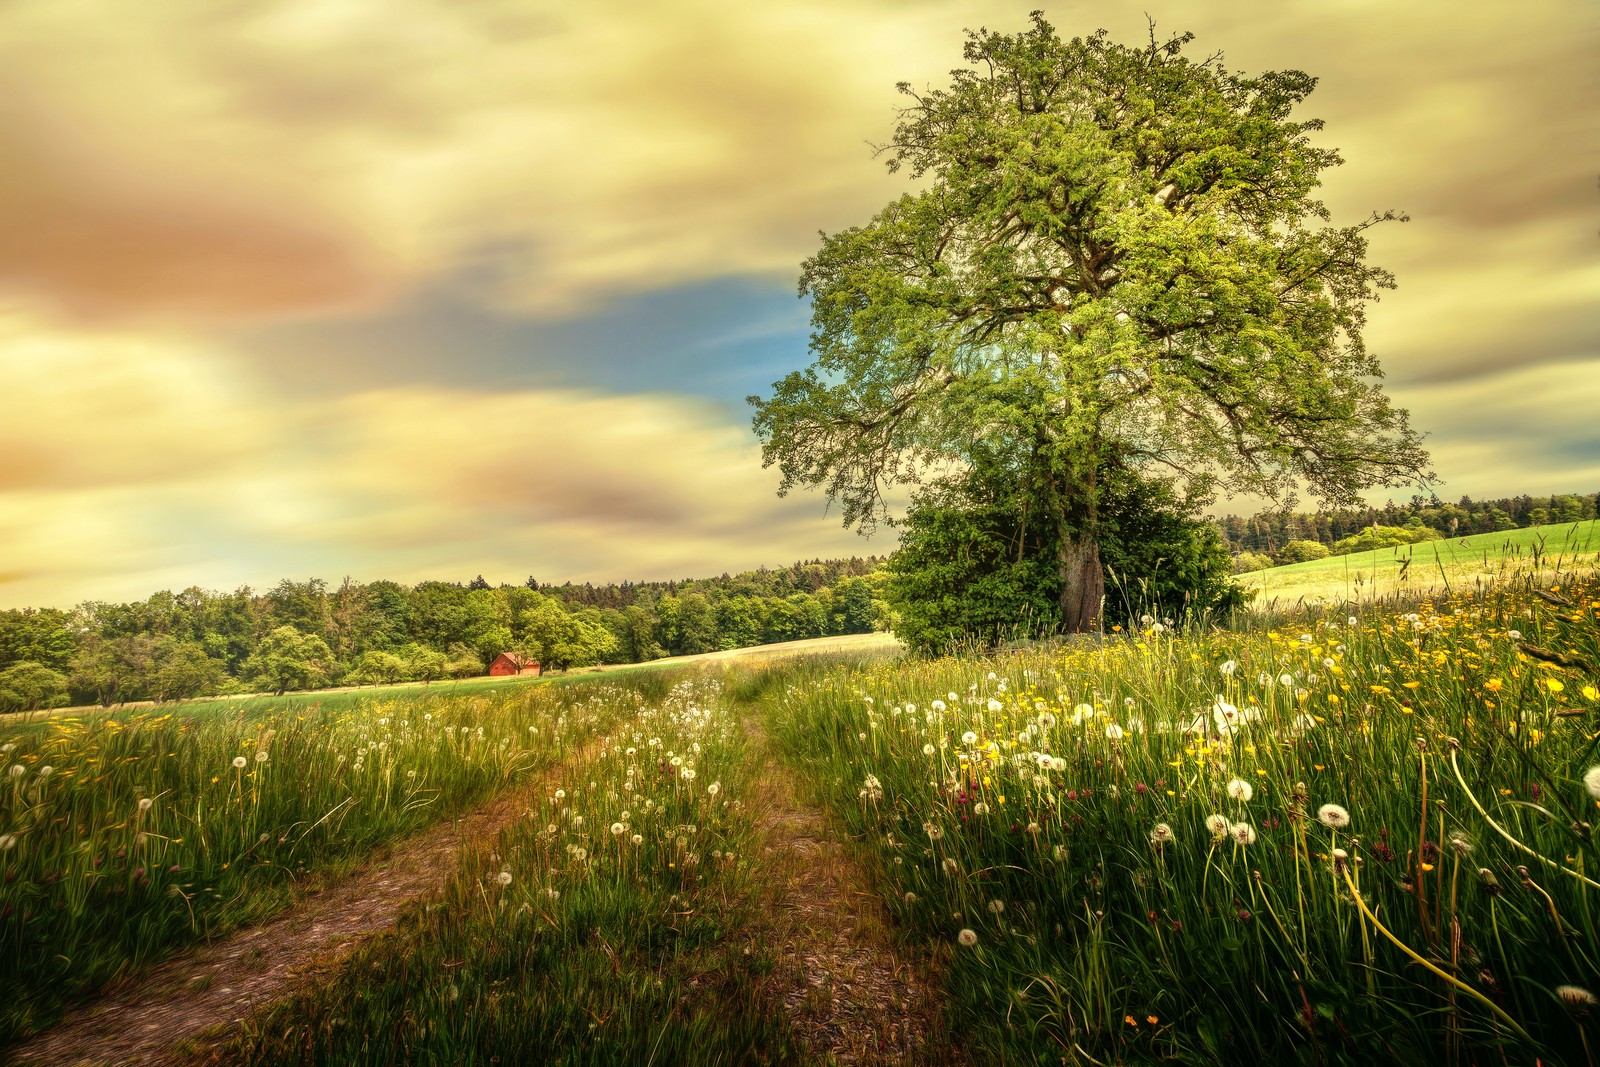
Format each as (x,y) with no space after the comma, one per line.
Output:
(1382,537)
(1245,562)
(44,636)
(976,563)
(1114,260)
(288,659)
(1301,551)
(29,686)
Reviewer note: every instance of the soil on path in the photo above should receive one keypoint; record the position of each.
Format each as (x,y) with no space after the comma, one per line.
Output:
(214,988)
(851,995)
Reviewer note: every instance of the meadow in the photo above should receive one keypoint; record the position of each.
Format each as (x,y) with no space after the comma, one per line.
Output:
(127,836)
(1410,570)
(1363,836)
(1334,835)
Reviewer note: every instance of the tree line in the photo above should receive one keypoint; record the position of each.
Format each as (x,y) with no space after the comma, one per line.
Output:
(1275,537)
(306,634)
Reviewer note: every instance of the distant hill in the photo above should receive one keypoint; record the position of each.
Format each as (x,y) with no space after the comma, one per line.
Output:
(1454,562)
(1272,532)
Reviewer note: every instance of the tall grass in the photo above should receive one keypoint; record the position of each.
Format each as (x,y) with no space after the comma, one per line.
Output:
(609,926)
(1348,838)
(125,837)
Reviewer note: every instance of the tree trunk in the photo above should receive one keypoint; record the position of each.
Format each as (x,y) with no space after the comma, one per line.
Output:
(1083,583)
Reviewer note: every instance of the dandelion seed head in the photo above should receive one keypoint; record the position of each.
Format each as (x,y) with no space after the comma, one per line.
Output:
(1241,790)
(1575,997)
(1333,816)
(1591,781)
(1242,833)
(504,878)
(144,803)
(1161,834)
(239,762)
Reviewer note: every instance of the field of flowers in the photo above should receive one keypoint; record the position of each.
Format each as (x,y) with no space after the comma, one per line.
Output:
(124,837)
(1357,837)
(611,925)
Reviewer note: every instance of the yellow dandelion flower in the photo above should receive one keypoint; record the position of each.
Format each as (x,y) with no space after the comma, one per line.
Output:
(1554,685)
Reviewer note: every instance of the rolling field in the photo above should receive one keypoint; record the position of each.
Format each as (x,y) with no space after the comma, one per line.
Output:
(1348,836)
(345,697)
(1453,563)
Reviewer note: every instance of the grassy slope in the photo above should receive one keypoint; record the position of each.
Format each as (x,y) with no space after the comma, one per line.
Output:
(1412,568)
(345,697)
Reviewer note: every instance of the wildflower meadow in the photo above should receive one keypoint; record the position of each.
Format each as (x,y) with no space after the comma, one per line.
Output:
(1351,835)
(125,837)
(1336,835)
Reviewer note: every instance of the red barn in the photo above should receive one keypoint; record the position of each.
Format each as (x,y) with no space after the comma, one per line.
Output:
(512,663)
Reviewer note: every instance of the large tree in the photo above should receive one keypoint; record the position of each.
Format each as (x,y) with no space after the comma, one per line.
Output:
(1113,261)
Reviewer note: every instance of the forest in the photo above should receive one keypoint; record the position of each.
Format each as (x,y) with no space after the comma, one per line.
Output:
(306,634)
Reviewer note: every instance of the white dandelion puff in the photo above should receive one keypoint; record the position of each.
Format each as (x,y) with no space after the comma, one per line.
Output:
(1333,816)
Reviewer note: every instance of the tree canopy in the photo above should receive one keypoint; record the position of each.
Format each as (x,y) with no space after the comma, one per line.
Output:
(1114,263)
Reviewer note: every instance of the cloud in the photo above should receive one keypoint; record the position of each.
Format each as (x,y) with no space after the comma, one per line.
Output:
(315,286)
(153,468)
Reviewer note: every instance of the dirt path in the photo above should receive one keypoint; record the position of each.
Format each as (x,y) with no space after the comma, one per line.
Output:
(218,985)
(847,990)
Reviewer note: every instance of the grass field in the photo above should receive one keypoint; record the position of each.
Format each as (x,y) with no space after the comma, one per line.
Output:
(1350,838)
(1339,836)
(127,836)
(345,697)
(1455,563)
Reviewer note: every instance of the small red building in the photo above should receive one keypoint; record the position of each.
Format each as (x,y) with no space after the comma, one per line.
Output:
(512,663)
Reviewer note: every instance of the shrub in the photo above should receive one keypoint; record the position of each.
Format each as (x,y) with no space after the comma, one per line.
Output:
(1304,551)
(1251,561)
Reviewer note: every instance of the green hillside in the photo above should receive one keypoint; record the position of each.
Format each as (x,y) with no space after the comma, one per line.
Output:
(1430,565)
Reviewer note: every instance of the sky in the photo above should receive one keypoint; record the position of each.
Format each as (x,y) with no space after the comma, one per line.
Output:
(434,288)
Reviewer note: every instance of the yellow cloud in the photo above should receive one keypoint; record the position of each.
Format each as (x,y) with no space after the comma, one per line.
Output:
(138,466)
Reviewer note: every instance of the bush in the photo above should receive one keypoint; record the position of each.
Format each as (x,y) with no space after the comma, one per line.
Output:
(1304,551)
(976,565)
(30,686)
(1376,536)
(1251,561)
